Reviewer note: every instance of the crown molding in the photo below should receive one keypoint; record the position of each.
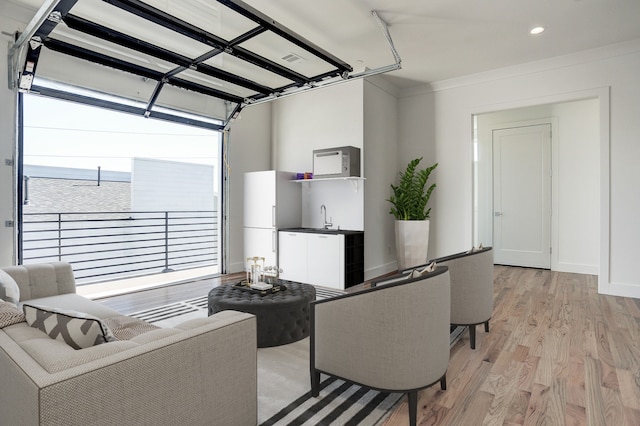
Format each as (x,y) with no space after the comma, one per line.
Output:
(572,59)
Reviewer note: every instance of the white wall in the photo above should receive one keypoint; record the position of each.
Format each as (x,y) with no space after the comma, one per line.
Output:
(324,118)
(161,185)
(343,200)
(249,150)
(381,160)
(595,73)
(575,164)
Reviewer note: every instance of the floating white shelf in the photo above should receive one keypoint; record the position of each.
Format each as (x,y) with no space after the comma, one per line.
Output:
(331,178)
(355,180)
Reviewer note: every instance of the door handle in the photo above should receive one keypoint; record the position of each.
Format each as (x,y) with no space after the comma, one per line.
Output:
(496,214)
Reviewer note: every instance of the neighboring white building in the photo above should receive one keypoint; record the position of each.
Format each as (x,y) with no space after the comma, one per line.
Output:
(161,185)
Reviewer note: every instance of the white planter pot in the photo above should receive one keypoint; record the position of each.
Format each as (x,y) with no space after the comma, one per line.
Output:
(412,242)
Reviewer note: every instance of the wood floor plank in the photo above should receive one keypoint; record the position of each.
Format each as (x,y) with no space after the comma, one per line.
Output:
(630,388)
(595,407)
(547,404)
(575,415)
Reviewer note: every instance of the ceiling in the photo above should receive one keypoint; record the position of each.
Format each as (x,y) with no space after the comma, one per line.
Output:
(443,39)
(436,39)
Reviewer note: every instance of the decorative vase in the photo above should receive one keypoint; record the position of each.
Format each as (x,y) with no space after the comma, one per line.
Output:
(412,243)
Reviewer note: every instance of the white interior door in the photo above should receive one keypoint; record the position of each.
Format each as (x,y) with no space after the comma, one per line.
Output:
(522,196)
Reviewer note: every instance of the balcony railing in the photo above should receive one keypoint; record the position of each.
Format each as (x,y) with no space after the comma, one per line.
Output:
(106,245)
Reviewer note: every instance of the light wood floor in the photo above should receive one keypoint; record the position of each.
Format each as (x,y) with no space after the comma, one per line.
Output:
(557,353)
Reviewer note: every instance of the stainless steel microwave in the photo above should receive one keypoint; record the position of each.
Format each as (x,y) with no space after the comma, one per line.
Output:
(336,162)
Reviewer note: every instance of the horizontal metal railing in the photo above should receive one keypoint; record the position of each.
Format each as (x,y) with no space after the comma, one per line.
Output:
(114,245)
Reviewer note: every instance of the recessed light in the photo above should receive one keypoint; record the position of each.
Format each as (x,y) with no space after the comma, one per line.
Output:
(536,30)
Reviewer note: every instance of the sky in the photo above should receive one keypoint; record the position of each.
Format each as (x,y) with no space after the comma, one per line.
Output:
(66,134)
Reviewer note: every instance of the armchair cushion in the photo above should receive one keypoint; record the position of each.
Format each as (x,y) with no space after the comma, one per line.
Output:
(76,329)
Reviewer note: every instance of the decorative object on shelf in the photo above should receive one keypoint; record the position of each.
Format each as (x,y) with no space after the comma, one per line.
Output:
(304,176)
(409,206)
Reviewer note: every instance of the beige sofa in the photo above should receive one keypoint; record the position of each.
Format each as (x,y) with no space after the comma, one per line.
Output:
(203,372)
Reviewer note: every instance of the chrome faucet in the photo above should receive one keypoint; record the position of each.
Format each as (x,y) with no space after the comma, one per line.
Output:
(323,211)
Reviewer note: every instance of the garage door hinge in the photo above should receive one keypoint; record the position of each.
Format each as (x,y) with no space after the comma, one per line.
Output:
(8,162)
(8,224)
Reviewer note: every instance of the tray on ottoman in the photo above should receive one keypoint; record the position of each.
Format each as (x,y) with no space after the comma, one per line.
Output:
(243,286)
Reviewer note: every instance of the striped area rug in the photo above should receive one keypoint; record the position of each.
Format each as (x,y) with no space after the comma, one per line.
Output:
(339,403)
(174,313)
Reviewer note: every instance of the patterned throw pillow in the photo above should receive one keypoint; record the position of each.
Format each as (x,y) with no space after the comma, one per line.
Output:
(419,272)
(9,290)
(475,249)
(9,314)
(76,329)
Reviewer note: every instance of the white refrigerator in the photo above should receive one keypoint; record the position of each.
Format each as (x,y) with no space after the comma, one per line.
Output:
(272,200)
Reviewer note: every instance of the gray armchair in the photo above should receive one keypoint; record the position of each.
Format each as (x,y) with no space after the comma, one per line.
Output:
(392,337)
(471,288)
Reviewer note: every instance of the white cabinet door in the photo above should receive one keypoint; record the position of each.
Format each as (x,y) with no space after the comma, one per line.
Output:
(260,242)
(259,199)
(325,260)
(292,256)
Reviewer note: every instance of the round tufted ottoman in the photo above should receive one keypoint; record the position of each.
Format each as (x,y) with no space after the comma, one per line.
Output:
(282,317)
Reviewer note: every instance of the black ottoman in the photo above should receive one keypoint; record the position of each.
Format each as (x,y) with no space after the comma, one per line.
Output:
(282,317)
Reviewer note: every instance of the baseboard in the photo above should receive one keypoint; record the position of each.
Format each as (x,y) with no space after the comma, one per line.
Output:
(624,290)
(576,268)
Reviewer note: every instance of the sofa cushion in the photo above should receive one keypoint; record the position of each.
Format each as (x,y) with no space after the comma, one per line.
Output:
(9,290)
(9,314)
(77,329)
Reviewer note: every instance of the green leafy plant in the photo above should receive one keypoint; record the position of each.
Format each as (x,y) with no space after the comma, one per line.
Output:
(411,196)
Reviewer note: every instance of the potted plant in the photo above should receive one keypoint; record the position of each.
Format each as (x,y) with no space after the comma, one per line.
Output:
(409,206)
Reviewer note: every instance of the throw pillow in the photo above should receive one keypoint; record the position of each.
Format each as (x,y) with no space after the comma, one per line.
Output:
(78,330)
(475,249)
(9,290)
(420,272)
(9,314)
